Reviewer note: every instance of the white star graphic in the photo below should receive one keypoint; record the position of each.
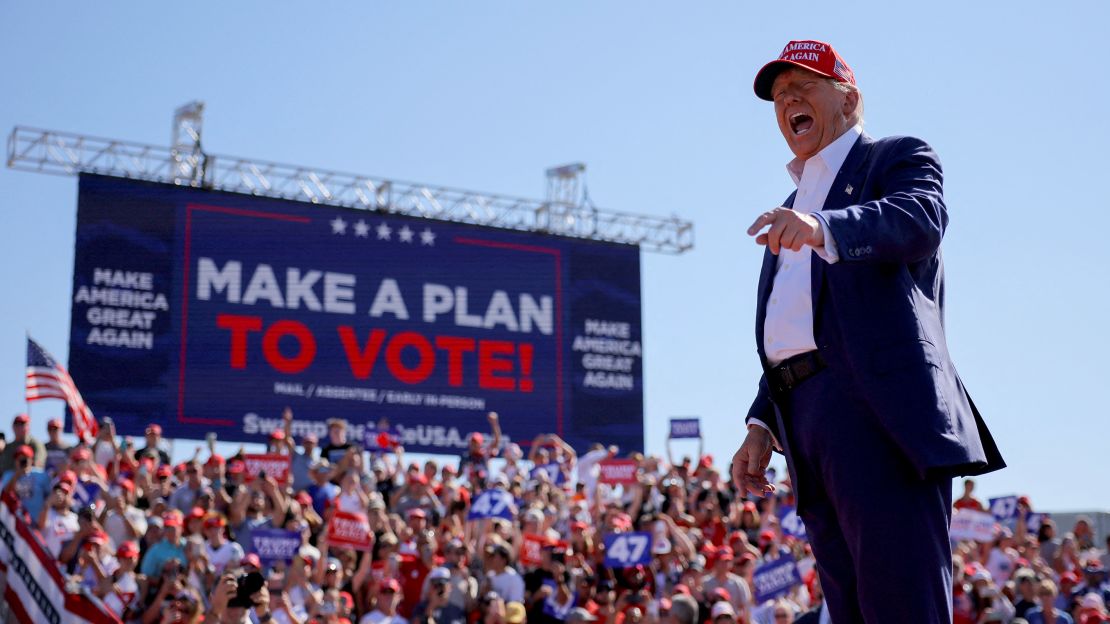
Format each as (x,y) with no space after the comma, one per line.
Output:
(405,234)
(384,231)
(338,226)
(427,237)
(361,229)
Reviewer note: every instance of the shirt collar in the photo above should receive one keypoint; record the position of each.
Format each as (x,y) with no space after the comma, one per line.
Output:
(832,156)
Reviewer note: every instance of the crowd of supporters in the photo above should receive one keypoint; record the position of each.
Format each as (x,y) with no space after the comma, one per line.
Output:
(165,542)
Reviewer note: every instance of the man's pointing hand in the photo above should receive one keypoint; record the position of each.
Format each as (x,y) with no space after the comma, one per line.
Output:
(789,230)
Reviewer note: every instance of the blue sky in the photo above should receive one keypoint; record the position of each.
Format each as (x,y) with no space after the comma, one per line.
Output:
(656,99)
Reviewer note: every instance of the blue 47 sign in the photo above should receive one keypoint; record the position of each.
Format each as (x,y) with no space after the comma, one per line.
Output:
(791,522)
(624,550)
(492,504)
(1004,507)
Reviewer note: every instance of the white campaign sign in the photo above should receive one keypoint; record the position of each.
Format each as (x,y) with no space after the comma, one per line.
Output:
(968,524)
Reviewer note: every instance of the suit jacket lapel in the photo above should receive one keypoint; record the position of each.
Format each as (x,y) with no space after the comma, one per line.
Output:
(845,191)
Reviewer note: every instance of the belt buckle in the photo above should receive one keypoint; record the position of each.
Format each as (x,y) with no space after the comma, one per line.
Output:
(787,377)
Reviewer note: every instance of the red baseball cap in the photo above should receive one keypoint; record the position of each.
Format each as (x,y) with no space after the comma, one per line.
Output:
(22,419)
(417,512)
(215,521)
(391,585)
(236,467)
(127,550)
(816,56)
(164,471)
(215,460)
(477,437)
(79,454)
(196,513)
(98,537)
(65,486)
(277,434)
(251,560)
(126,484)
(54,423)
(25,451)
(68,477)
(724,553)
(172,518)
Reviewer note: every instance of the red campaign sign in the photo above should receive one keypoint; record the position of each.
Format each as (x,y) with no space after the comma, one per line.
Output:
(531,549)
(274,465)
(349,530)
(618,471)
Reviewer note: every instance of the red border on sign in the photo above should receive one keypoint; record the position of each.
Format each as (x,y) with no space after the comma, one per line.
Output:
(189,208)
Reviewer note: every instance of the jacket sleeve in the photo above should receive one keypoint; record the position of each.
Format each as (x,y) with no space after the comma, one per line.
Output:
(762,410)
(907,223)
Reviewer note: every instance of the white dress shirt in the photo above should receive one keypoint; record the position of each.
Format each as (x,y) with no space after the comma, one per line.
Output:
(788,327)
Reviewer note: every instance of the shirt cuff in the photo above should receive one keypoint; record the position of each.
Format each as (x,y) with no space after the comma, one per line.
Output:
(774,441)
(828,253)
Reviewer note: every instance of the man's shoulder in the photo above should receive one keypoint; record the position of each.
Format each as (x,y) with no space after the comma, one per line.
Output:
(898,145)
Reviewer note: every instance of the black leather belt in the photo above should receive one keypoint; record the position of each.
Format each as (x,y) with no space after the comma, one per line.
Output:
(791,372)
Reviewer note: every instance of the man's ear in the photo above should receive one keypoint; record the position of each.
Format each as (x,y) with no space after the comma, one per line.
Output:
(851,101)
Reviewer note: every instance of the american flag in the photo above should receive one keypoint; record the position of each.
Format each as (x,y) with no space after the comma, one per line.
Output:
(47,379)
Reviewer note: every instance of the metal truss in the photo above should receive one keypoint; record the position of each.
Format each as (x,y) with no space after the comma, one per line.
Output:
(63,153)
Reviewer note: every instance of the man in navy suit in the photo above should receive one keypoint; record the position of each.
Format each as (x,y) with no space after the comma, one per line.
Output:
(858,389)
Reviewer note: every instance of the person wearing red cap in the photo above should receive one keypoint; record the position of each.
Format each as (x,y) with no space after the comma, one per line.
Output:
(121,586)
(153,446)
(172,545)
(858,389)
(221,550)
(185,496)
(739,594)
(417,494)
(385,611)
(122,520)
(21,428)
(478,451)
(57,451)
(57,521)
(30,484)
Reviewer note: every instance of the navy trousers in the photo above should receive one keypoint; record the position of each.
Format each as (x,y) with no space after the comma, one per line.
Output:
(879,532)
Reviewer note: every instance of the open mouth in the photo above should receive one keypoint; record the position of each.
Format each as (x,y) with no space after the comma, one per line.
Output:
(800,123)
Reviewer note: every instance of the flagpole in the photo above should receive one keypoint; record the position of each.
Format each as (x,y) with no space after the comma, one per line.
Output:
(26,399)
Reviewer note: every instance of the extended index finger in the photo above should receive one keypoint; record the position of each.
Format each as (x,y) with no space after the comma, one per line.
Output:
(760,222)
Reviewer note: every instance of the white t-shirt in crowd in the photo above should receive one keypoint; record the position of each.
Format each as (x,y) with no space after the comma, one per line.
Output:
(1000,565)
(219,557)
(377,617)
(508,584)
(117,528)
(59,529)
(122,593)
